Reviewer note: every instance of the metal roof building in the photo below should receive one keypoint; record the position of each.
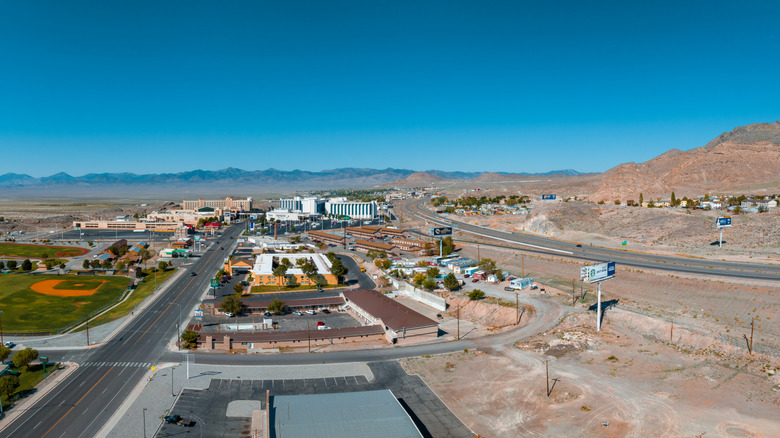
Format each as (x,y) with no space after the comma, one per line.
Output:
(376,414)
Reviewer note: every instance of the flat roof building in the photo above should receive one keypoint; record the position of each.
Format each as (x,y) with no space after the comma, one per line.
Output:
(263,270)
(367,245)
(400,322)
(375,414)
(229,203)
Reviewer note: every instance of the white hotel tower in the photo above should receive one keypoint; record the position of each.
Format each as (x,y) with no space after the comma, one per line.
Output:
(355,210)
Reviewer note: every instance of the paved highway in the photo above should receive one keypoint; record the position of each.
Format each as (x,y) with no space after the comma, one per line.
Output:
(538,244)
(81,404)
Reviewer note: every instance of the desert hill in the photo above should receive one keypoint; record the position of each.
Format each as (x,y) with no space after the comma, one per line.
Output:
(746,156)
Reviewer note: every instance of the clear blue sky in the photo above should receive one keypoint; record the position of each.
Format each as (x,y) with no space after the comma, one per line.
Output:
(165,86)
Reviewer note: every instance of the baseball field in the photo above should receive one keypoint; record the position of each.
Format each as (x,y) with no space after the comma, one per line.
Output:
(32,303)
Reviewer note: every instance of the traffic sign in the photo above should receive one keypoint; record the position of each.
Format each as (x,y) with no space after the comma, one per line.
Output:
(548,197)
(441,231)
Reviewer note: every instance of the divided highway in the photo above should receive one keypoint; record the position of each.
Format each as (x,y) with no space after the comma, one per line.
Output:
(543,245)
(82,404)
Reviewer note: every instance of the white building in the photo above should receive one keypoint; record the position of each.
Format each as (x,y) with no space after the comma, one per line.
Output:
(353,209)
(310,205)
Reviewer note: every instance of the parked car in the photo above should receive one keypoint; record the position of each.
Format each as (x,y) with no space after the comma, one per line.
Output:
(323,327)
(319,323)
(474,280)
(466,276)
(311,312)
(325,311)
(297,313)
(10,344)
(267,314)
(193,274)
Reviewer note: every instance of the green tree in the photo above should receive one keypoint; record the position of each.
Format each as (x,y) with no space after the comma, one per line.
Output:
(422,264)
(450,282)
(24,357)
(280,271)
(432,272)
(429,284)
(189,339)
(107,264)
(339,270)
(448,245)
(386,264)
(737,210)
(231,304)
(295,239)
(500,275)
(276,306)
(219,274)
(476,294)
(26,265)
(674,200)
(419,278)
(238,288)
(617,201)
(285,261)
(4,353)
(95,264)
(121,266)
(45,255)
(85,265)
(8,385)
(487,265)
(375,253)
(162,266)
(2,265)
(641,199)
(62,265)
(11,265)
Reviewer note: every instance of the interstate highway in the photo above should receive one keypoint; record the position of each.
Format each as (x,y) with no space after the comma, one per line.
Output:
(82,403)
(533,243)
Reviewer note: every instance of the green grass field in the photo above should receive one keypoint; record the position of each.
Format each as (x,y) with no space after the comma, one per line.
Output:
(38,251)
(27,311)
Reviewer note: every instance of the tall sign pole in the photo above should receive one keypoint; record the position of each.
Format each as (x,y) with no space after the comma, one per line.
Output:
(597,274)
(721,223)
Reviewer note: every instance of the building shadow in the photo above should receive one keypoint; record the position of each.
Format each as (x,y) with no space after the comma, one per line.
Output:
(420,426)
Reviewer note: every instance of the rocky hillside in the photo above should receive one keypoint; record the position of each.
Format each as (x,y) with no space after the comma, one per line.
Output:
(747,156)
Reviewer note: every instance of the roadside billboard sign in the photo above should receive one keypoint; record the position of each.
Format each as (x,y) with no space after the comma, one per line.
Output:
(602,271)
(214,282)
(548,197)
(723,222)
(441,231)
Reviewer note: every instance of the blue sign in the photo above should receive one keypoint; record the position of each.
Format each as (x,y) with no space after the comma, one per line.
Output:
(611,269)
(548,197)
(723,222)
(441,231)
(252,226)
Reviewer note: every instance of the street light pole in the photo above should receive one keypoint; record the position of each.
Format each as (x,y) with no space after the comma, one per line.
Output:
(144,412)
(178,328)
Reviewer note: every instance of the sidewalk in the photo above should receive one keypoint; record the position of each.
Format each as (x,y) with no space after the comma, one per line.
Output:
(155,395)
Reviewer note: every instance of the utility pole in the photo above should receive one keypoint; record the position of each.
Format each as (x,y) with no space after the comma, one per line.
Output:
(2,342)
(308,334)
(172,394)
(573,297)
(517,310)
(459,322)
(86,321)
(522,263)
(547,369)
(751,334)
(671,335)
(478,258)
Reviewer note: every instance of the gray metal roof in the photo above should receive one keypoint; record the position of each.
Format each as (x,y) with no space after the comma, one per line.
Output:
(375,414)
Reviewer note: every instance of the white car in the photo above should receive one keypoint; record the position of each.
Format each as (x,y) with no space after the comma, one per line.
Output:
(229,315)
(311,312)
(297,313)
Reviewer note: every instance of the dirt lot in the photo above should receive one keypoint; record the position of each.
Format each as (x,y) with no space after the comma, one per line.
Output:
(624,376)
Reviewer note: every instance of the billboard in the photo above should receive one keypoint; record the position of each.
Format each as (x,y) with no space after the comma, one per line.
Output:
(441,231)
(723,222)
(252,226)
(214,282)
(602,271)
(548,197)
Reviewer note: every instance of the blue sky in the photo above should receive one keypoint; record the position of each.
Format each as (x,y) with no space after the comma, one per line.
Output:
(150,87)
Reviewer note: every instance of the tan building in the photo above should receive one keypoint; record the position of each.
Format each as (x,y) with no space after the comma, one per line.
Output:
(401,323)
(326,237)
(127,225)
(367,245)
(413,245)
(230,203)
(263,275)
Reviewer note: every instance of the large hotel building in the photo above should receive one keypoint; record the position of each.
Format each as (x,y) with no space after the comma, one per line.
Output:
(230,204)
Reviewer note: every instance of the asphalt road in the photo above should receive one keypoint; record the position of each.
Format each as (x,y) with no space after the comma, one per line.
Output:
(538,244)
(80,405)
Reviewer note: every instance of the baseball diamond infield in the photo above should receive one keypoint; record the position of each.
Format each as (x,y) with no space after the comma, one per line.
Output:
(32,304)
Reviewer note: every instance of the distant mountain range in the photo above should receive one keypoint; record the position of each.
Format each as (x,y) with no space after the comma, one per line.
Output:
(270,179)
